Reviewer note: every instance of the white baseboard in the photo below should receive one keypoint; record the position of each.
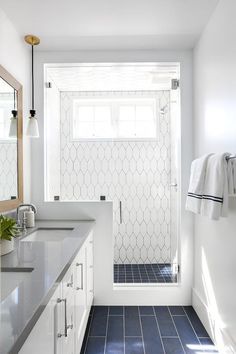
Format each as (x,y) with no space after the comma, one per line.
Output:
(219,335)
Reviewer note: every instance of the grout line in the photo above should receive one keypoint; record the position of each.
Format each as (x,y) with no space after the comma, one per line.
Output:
(192,326)
(141,328)
(158,328)
(105,346)
(124,327)
(176,329)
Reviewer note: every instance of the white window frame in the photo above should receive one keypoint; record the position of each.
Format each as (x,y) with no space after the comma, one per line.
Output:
(96,99)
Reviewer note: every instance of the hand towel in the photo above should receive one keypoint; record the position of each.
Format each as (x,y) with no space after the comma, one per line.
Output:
(215,193)
(196,184)
(230,177)
(234,174)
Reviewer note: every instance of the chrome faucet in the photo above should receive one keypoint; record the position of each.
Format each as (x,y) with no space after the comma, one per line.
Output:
(22,225)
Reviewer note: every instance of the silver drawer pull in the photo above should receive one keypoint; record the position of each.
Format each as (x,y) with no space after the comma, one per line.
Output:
(81,287)
(65,316)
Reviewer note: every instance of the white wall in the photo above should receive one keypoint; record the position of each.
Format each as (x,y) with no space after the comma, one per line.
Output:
(15,58)
(215,131)
(104,292)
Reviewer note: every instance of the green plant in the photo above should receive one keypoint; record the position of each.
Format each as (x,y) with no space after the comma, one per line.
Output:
(8,228)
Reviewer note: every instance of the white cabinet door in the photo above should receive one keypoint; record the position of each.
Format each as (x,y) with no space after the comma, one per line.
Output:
(89,266)
(69,311)
(80,297)
(45,337)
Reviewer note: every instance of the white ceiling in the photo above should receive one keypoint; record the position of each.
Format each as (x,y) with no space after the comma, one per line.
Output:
(112,77)
(111,24)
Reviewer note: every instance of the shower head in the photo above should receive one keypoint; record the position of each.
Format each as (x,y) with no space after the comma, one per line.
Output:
(163,109)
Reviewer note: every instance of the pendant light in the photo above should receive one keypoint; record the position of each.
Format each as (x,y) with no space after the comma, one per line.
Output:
(13,125)
(32,129)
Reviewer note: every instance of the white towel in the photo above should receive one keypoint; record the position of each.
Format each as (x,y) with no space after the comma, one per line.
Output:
(215,194)
(234,173)
(230,177)
(196,185)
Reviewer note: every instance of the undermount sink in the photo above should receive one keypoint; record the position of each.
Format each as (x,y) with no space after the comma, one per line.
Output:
(10,280)
(48,235)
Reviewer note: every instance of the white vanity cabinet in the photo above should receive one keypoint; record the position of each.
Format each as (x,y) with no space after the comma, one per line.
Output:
(61,327)
(44,336)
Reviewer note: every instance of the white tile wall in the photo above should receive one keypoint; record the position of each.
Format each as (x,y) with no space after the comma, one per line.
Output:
(135,173)
(8,170)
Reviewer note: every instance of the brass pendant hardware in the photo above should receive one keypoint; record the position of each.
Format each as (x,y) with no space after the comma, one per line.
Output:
(32,40)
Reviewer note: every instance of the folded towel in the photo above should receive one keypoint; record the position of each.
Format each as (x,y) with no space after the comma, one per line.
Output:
(215,193)
(196,185)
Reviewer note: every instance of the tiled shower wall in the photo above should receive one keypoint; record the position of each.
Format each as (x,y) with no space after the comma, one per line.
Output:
(8,170)
(8,156)
(135,173)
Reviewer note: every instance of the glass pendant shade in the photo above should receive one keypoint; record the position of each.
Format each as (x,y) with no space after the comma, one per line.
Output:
(13,125)
(32,129)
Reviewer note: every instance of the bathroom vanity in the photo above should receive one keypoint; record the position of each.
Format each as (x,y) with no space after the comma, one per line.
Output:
(47,289)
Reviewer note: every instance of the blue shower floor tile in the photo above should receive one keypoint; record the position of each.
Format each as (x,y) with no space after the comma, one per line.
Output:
(144,273)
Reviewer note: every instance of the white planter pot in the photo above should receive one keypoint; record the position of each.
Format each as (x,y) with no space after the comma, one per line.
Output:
(6,246)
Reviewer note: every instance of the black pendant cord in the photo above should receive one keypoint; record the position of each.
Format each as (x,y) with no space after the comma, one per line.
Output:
(32,76)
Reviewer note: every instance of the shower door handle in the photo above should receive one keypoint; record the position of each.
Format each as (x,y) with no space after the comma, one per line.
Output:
(120,212)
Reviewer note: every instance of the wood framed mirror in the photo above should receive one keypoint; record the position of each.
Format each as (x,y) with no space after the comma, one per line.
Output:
(11,146)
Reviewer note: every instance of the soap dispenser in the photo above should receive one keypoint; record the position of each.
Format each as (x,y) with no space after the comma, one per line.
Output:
(30,218)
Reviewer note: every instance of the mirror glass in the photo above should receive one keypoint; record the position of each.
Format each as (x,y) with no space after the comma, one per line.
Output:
(8,142)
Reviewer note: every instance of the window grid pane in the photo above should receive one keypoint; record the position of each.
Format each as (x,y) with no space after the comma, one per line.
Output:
(114,119)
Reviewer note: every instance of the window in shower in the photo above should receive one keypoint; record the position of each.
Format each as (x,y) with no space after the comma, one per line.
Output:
(114,118)
(115,133)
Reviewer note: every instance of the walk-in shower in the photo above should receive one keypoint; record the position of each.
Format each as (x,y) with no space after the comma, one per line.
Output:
(115,132)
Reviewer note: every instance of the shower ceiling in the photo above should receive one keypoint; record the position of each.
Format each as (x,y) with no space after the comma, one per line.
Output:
(112,77)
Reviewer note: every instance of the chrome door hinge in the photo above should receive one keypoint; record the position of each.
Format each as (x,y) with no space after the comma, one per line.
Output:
(175,84)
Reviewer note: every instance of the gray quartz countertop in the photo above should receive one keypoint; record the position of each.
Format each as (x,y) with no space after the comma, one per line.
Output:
(48,262)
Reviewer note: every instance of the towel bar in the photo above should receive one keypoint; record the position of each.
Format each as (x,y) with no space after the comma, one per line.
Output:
(230,158)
